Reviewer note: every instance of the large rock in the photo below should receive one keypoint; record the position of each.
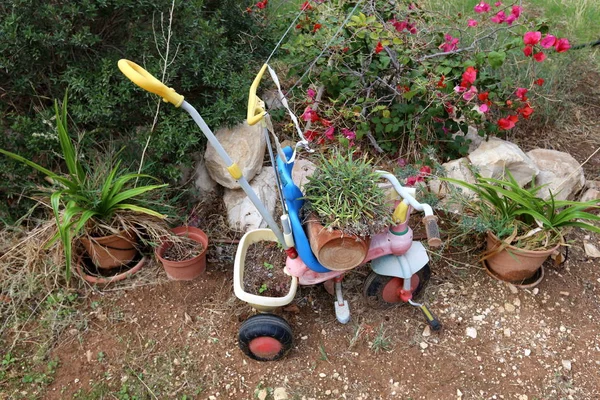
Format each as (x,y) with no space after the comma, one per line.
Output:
(495,156)
(241,213)
(203,182)
(245,145)
(455,169)
(301,171)
(591,194)
(559,172)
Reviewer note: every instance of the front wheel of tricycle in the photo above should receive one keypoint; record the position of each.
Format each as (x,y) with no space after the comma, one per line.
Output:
(381,291)
(265,337)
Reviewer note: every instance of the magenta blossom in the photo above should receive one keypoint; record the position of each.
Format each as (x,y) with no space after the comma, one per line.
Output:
(499,18)
(539,57)
(402,162)
(521,94)
(472,22)
(516,11)
(310,93)
(510,19)
(482,109)
(548,41)
(450,43)
(330,133)
(482,7)
(348,134)
(310,115)
(532,38)
(469,94)
(498,3)
(562,45)
(460,89)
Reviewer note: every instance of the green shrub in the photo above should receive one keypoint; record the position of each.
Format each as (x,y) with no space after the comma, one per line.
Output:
(49,47)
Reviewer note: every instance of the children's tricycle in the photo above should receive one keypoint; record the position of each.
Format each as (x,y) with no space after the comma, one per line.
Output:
(399,264)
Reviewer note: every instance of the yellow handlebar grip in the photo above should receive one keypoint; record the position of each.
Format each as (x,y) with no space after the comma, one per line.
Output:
(146,81)
(256,110)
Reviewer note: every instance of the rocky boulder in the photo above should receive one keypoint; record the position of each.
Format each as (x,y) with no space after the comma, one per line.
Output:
(245,145)
(301,171)
(559,172)
(241,213)
(455,169)
(495,156)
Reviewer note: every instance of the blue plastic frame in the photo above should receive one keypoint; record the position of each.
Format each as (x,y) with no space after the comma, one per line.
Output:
(294,202)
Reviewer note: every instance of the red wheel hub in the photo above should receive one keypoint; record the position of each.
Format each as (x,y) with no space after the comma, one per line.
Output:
(393,292)
(265,347)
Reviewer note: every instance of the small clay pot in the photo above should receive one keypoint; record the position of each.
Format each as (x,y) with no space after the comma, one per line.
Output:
(113,251)
(334,249)
(104,280)
(512,264)
(185,270)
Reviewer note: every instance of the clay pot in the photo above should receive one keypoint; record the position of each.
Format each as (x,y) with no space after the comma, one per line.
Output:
(187,269)
(512,264)
(334,249)
(112,251)
(104,280)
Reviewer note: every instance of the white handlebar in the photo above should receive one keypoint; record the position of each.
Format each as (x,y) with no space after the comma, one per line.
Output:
(405,194)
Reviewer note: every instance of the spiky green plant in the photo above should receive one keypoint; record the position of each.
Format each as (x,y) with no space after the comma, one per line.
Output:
(503,206)
(84,193)
(345,195)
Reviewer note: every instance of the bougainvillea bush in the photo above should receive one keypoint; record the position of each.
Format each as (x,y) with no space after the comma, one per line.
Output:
(397,73)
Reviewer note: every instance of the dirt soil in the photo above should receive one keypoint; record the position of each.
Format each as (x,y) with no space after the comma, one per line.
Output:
(184,249)
(263,270)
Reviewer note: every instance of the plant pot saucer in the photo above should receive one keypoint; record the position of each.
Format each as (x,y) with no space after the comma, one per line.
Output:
(86,269)
(529,283)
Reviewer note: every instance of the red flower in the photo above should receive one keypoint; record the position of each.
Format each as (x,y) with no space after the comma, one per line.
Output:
(483,96)
(548,41)
(562,45)
(528,50)
(326,123)
(441,83)
(525,111)
(506,123)
(521,94)
(378,48)
(248,10)
(305,6)
(425,170)
(316,27)
(310,135)
(262,4)
(469,77)
(299,26)
(532,38)
(509,103)
(310,115)
(330,133)
(539,82)
(345,49)
(539,57)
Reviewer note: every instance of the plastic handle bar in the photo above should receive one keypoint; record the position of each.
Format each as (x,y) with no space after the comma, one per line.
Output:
(256,110)
(147,81)
(432,230)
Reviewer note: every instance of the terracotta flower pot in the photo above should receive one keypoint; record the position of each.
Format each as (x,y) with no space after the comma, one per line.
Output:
(512,264)
(112,251)
(334,249)
(187,269)
(104,280)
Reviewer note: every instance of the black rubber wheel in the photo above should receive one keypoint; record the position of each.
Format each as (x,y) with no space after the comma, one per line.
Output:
(375,284)
(265,337)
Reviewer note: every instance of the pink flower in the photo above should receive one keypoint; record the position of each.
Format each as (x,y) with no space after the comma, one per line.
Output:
(472,22)
(562,45)
(532,38)
(310,93)
(548,41)
(425,170)
(402,162)
(510,19)
(528,50)
(469,94)
(484,108)
(412,180)
(482,7)
(499,18)
(310,115)
(450,43)
(521,94)
(469,77)
(399,25)
(516,11)
(348,134)
(330,133)
(539,57)
(498,3)
(459,89)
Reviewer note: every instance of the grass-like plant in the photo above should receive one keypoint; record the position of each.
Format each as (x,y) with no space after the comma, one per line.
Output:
(344,194)
(509,210)
(86,194)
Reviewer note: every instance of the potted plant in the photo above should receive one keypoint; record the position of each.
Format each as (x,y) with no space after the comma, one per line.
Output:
(183,254)
(522,230)
(99,205)
(344,206)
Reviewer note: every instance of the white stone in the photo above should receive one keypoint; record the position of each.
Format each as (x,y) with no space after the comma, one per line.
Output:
(509,307)
(513,289)
(527,352)
(245,145)
(471,332)
(280,393)
(202,181)
(591,194)
(423,345)
(455,169)
(473,136)
(559,171)
(242,215)
(262,394)
(592,185)
(301,171)
(495,156)
(566,364)
(591,250)
(426,331)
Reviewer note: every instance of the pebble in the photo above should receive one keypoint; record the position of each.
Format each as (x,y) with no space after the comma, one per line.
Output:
(566,364)
(536,291)
(426,331)
(280,393)
(322,375)
(423,345)
(261,395)
(471,332)
(507,332)
(513,289)
(517,302)
(527,352)
(566,294)
(509,307)
(304,337)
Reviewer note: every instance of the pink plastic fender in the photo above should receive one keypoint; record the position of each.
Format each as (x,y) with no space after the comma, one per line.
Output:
(306,276)
(389,242)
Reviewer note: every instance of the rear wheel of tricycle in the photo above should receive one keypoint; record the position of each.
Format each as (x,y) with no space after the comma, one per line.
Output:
(382,291)
(265,337)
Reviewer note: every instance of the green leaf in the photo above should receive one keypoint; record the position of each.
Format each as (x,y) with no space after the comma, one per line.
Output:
(496,58)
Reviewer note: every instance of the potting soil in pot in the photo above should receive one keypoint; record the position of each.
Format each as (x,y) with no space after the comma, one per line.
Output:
(263,270)
(184,249)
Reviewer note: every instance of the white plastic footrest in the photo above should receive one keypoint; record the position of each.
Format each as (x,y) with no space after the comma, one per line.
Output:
(342,312)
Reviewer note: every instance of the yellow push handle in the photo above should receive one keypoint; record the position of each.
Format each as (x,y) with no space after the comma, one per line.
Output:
(146,81)
(256,107)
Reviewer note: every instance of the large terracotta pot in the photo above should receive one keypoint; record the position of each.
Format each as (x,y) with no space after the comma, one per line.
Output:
(185,270)
(334,249)
(112,251)
(80,268)
(512,264)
